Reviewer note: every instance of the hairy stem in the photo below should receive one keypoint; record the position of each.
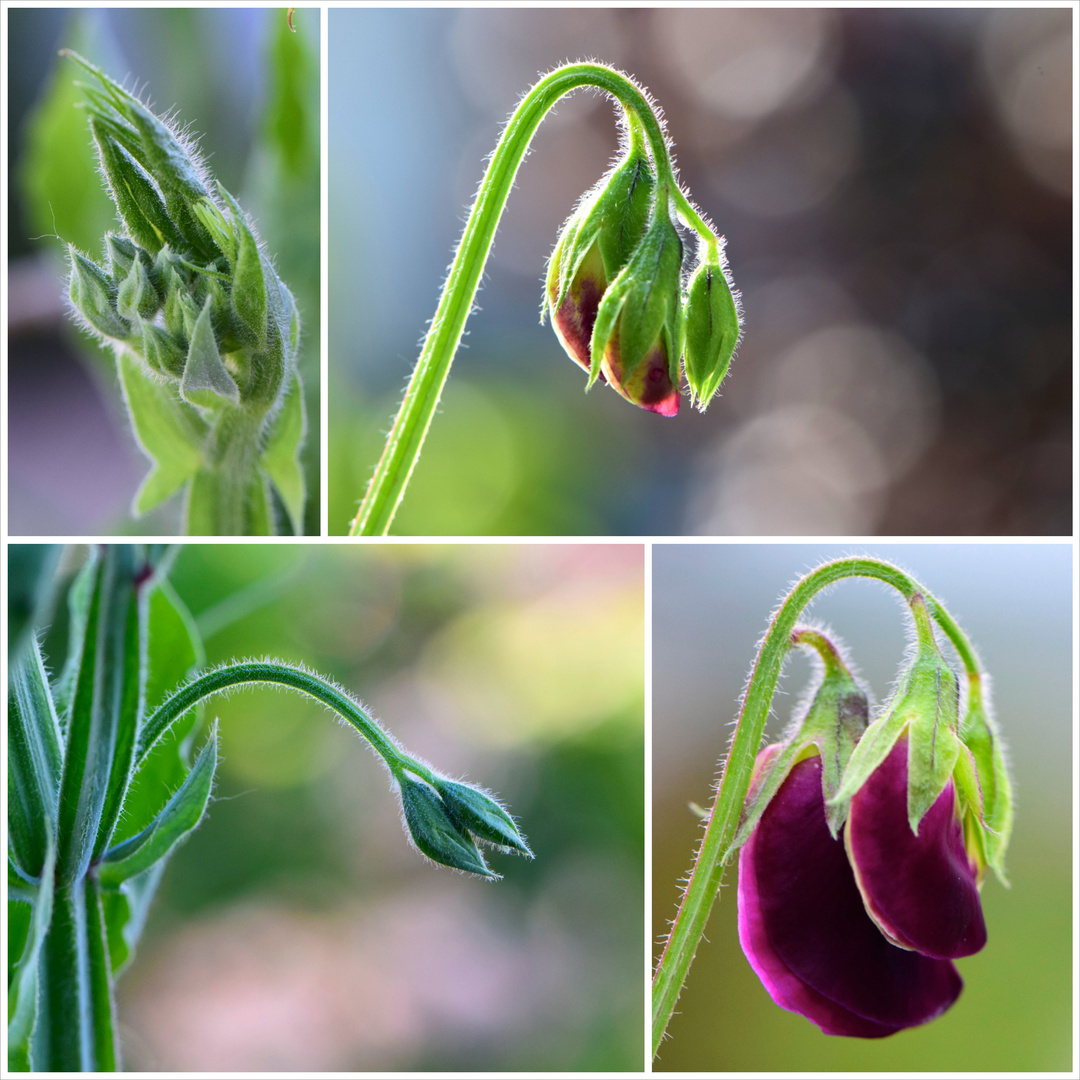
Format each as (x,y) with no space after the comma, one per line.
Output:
(410,428)
(723,822)
(268,671)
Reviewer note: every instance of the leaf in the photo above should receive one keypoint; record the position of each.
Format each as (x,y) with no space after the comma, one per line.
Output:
(30,578)
(168,432)
(206,378)
(35,760)
(79,596)
(23,979)
(178,818)
(102,729)
(281,458)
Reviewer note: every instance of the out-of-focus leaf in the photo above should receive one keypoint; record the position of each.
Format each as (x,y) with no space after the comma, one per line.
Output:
(35,759)
(178,818)
(31,574)
(59,178)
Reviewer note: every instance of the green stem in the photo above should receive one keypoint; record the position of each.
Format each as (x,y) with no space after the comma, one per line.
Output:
(228,495)
(716,846)
(268,671)
(410,428)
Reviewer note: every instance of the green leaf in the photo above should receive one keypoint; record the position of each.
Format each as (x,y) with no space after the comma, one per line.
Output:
(59,179)
(23,977)
(35,760)
(178,818)
(31,588)
(281,458)
(79,596)
(103,726)
(168,432)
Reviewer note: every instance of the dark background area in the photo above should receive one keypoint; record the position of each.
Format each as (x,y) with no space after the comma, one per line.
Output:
(895,188)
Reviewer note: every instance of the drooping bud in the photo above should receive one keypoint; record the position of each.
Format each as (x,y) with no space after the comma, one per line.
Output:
(638,334)
(434,831)
(712,330)
(593,246)
(475,812)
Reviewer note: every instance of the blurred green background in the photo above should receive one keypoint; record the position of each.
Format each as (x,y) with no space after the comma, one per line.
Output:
(895,186)
(710,607)
(249,89)
(297,930)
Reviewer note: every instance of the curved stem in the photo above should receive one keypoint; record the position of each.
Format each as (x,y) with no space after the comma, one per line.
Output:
(716,845)
(269,671)
(410,428)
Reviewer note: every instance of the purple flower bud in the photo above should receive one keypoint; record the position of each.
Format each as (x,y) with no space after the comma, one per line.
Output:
(921,890)
(806,932)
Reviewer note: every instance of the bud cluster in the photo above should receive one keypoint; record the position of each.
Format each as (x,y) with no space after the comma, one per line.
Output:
(186,289)
(617,296)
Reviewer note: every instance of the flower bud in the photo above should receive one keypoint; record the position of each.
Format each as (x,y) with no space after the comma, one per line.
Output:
(638,332)
(474,812)
(712,330)
(594,245)
(93,296)
(136,296)
(434,832)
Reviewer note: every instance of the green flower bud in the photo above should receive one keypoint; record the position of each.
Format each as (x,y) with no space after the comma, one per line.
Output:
(121,254)
(474,812)
(163,353)
(137,200)
(638,333)
(434,832)
(712,330)
(594,245)
(137,296)
(94,297)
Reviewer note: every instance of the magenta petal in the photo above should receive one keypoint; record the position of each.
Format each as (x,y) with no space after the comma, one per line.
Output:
(805,931)
(921,890)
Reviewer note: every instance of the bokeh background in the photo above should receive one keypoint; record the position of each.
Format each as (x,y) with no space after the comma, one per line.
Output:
(250,89)
(710,608)
(895,188)
(298,930)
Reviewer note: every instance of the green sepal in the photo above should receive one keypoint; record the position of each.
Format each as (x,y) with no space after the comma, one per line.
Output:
(473,811)
(926,709)
(93,296)
(169,433)
(206,379)
(122,253)
(179,817)
(434,832)
(712,331)
(829,726)
(248,293)
(281,458)
(993,808)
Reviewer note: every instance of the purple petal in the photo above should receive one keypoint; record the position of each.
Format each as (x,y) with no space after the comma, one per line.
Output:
(920,890)
(805,931)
